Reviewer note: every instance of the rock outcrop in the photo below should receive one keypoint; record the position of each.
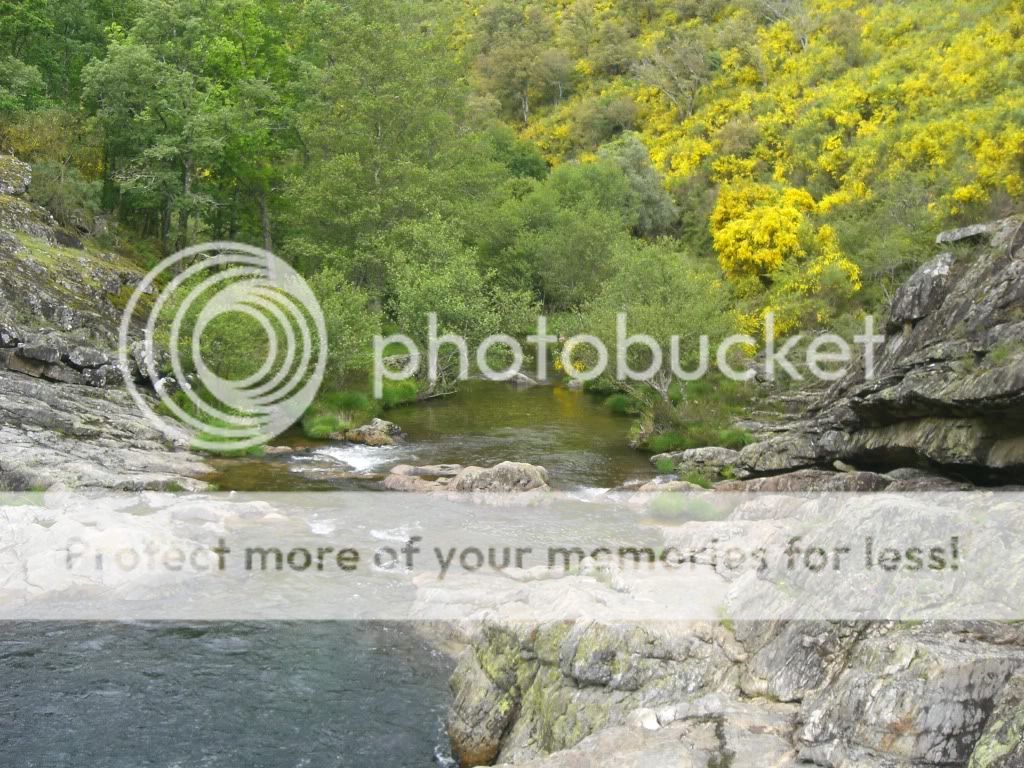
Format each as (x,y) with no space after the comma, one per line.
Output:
(86,437)
(64,414)
(711,462)
(947,389)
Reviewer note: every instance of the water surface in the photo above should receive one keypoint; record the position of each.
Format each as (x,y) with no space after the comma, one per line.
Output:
(258,695)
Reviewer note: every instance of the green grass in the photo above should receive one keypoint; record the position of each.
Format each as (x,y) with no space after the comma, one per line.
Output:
(697,478)
(333,413)
(1003,352)
(336,412)
(698,435)
(396,393)
(621,404)
(665,466)
(320,425)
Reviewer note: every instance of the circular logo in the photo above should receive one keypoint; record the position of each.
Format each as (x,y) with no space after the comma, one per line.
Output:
(216,285)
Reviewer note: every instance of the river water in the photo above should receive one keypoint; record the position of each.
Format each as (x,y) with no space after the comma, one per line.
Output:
(231,695)
(572,434)
(288,694)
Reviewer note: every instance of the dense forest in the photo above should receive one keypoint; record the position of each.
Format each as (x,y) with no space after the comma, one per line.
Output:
(695,163)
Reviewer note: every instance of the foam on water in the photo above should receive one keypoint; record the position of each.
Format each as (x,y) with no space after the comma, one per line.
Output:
(362,458)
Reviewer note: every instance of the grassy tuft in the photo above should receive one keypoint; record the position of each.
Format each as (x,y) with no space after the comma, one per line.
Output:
(665,466)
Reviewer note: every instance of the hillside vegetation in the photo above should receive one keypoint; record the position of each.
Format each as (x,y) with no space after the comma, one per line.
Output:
(696,164)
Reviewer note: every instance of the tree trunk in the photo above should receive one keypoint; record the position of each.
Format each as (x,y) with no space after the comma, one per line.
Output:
(268,243)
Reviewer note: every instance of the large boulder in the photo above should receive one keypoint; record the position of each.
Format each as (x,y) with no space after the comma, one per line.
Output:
(377,433)
(712,462)
(506,477)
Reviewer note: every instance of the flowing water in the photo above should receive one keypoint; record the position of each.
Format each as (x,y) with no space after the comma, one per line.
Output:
(571,433)
(231,695)
(277,694)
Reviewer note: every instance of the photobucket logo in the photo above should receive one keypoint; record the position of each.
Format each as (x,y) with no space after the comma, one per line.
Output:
(826,357)
(220,279)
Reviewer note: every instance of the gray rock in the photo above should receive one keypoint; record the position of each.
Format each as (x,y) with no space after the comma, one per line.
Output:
(665,486)
(1002,743)
(790,660)
(722,733)
(713,462)
(947,387)
(965,233)
(378,432)
(87,438)
(10,336)
(916,697)
(15,176)
(85,357)
(522,381)
(506,477)
(810,481)
(44,350)
(922,293)
(410,484)
(524,691)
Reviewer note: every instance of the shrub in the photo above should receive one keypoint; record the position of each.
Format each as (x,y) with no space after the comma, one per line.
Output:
(621,404)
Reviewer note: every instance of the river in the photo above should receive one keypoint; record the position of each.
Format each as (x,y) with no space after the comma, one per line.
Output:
(580,442)
(288,694)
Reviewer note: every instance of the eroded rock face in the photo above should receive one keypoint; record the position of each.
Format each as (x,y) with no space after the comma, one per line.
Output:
(1002,743)
(920,697)
(64,414)
(87,438)
(948,388)
(528,691)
